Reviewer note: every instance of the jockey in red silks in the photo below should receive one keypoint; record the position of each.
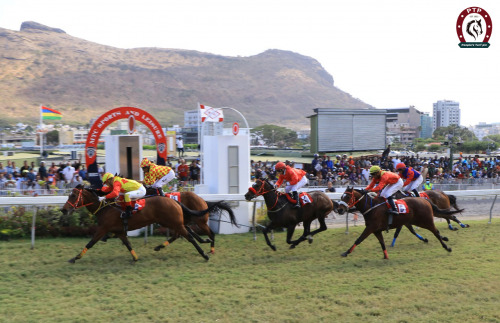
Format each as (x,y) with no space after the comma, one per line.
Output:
(294,177)
(388,184)
(412,178)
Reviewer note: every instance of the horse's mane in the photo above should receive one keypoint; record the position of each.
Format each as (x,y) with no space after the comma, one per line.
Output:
(478,22)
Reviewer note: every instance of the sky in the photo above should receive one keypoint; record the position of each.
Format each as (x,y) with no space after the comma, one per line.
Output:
(387,53)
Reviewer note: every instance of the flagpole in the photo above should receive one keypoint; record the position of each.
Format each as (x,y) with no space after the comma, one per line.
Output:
(41,131)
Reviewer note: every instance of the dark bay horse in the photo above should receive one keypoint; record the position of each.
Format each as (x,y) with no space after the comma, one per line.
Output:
(374,210)
(166,212)
(282,214)
(442,201)
(199,223)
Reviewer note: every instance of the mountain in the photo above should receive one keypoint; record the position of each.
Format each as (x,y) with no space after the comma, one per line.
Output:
(82,79)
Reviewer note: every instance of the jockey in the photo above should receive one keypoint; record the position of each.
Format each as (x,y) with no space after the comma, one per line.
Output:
(155,175)
(412,178)
(295,179)
(388,184)
(129,189)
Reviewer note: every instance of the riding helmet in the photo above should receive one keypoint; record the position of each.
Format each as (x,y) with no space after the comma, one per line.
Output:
(145,162)
(400,166)
(106,176)
(279,166)
(374,170)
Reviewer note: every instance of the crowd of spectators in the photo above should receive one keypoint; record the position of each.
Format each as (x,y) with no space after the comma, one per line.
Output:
(347,170)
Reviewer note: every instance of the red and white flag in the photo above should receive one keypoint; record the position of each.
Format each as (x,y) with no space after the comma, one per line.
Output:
(210,114)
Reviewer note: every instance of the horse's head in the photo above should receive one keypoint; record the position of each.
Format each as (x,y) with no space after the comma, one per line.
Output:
(79,197)
(348,200)
(260,187)
(474,28)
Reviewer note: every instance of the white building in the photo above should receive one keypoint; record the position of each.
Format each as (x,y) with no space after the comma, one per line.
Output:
(445,113)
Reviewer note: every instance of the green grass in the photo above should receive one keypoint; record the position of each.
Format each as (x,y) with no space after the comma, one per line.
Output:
(245,281)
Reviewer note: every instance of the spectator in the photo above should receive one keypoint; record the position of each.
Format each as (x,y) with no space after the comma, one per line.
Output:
(3,171)
(194,171)
(42,171)
(428,185)
(68,173)
(330,188)
(385,153)
(82,172)
(180,146)
(183,172)
(24,169)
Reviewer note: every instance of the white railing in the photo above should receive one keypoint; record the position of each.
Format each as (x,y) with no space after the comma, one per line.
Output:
(42,201)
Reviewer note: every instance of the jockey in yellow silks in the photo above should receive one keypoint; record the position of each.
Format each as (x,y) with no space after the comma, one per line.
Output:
(118,186)
(155,175)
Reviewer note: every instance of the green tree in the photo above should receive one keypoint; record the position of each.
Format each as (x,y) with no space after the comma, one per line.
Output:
(275,135)
(52,137)
(458,133)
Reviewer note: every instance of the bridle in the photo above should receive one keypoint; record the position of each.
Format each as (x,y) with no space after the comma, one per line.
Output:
(80,198)
(262,191)
(352,200)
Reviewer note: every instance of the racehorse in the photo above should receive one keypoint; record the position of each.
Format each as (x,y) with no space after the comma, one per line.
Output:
(282,213)
(166,212)
(194,202)
(374,210)
(442,201)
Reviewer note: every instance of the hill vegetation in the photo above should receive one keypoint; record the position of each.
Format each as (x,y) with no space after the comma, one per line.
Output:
(82,79)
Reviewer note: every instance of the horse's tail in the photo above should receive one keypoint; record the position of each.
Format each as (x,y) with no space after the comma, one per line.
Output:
(223,206)
(453,200)
(443,211)
(212,207)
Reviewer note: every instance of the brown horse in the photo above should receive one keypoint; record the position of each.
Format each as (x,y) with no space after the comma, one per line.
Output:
(196,223)
(282,213)
(374,210)
(442,201)
(166,212)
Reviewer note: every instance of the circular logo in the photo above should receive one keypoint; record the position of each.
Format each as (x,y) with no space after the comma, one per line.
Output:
(161,147)
(91,152)
(474,27)
(236,128)
(131,124)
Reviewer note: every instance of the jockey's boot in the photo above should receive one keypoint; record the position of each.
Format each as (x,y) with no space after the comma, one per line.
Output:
(295,196)
(415,191)
(392,211)
(160,191)
(125,216)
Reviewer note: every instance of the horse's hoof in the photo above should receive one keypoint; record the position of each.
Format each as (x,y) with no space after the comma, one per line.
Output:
(444,238)
(72,260)
(448,249)
(425,240)
(292,246)
(464,225)
(344,254)
(207,258)
(273,247)
(310,239)
(159,247)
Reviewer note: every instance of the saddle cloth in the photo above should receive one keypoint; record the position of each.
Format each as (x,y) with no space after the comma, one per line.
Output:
(304,198)
(424,195)
(401,206)
(139,205)
(174,196)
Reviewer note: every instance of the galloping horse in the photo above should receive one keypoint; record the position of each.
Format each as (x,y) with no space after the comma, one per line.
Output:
(166,212)
(194,202)
(282,214)
(442,201)
(374,210)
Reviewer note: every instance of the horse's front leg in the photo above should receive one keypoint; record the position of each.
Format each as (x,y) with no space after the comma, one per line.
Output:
(265,231)
(380,238)
(322,227)
(124,239)
(364,234)
(97,236)
(289,234)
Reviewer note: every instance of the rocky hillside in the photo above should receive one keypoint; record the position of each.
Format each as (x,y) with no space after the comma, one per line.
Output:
(82,79)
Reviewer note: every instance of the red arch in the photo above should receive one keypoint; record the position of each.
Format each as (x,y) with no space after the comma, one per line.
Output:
(108,118)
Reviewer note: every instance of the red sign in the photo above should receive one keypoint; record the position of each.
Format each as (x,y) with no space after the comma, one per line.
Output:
(236,128)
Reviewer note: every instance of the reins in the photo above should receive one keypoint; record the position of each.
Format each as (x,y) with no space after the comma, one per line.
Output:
(102,204)
(262,191)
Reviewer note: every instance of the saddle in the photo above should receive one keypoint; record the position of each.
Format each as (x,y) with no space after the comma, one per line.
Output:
(304,198)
